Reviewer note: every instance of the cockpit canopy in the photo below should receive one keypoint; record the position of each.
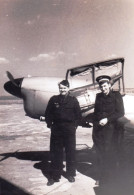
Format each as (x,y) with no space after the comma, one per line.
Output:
(83,83)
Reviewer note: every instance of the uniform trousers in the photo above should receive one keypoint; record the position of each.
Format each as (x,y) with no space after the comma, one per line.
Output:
(105,144)
(62,137)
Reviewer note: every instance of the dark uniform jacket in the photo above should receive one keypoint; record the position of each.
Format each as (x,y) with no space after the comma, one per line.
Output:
(62,109)
(110,106)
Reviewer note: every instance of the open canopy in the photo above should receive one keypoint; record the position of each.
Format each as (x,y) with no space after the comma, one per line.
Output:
(86,74)
(77,70)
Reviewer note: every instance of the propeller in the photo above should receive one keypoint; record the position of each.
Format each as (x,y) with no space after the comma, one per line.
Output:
(13,86)
(11,78)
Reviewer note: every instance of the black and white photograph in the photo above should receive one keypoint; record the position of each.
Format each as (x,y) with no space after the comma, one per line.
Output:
(67,97)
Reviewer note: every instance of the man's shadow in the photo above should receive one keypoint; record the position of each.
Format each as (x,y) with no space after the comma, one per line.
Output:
(83,156)
(120,182)
(84,164)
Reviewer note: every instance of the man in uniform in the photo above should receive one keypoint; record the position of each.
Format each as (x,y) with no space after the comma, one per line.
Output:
(108,108)
(62,117)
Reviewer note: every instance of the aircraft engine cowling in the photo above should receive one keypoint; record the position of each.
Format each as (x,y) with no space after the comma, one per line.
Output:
(36,92)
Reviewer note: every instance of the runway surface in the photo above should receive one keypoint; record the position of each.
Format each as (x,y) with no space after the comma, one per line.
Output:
(24,159)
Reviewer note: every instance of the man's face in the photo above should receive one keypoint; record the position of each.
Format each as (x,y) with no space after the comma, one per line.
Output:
(63,89)
(105,88)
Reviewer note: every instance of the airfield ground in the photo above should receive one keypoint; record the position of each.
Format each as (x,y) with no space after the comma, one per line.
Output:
(24,155)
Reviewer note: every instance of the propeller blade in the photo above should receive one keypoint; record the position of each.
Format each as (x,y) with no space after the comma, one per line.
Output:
(11,78)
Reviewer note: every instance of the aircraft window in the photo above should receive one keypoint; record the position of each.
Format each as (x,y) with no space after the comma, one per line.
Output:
(112,70)
(118,86)
(84,73)
(77,71)
(80,79)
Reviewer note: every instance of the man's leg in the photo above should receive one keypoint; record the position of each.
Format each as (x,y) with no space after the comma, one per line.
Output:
(110,143)
(56,154)
(70,146)
(99,143)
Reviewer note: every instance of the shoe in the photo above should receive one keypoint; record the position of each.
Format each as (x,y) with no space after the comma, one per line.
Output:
(52,181)
(71,179)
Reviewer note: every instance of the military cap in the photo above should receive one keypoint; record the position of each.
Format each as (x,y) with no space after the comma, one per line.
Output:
(64,82)
(103,78)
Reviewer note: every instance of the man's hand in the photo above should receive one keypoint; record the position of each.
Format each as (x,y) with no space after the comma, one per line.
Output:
(42,118)
(103,121)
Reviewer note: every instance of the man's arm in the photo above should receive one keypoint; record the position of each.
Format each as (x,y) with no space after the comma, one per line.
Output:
(97,113)
(49,113)
(77,112)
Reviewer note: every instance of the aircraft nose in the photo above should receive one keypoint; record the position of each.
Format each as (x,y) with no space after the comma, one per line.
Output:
(14,89)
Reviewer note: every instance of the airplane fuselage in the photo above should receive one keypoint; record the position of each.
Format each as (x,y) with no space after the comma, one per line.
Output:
(36,91)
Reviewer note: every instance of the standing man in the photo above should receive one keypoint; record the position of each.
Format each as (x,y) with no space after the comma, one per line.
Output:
(108,108)
(62,117)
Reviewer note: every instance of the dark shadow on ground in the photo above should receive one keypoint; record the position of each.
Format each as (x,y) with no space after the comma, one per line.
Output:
(84,155)
(119,182)
(32,155)
(7,188)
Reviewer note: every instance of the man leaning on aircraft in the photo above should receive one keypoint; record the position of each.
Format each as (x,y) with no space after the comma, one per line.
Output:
(108,108)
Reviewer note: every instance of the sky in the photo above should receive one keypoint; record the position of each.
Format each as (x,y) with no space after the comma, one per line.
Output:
(46,37)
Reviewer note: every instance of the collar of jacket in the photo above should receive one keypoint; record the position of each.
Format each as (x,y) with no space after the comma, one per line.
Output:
(63,98)
(109,95)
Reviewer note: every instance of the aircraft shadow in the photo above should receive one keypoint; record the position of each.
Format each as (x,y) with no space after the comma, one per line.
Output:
(7,188)
(84,155)
(119,182)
